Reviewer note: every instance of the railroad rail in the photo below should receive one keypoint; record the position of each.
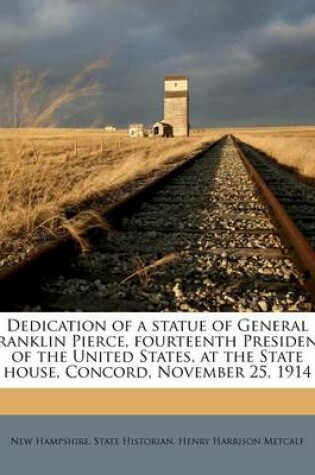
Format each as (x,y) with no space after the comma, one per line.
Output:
(209,236)
(290,219)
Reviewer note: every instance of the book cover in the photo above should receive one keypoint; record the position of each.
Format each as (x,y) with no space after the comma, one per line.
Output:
(157,237)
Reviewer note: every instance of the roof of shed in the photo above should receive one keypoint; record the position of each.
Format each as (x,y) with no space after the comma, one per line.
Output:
(162,122)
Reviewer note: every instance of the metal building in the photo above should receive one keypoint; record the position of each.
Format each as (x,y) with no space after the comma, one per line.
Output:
(176,104)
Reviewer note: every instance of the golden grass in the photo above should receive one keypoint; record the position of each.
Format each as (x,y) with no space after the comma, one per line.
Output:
(144,270)
(45,170)
(290,146)
(42,171)
(27,102)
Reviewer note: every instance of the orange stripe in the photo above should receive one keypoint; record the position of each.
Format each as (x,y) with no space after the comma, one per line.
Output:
(157,402)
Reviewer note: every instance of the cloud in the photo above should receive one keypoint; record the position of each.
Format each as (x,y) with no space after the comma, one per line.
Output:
(242,56)
(288,47)
(41,19)
(283,31)
(281,50)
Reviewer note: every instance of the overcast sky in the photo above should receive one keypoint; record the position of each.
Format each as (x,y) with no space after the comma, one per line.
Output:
(250,62)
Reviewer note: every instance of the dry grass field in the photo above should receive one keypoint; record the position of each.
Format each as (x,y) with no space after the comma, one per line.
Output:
(290,146)
(45,170)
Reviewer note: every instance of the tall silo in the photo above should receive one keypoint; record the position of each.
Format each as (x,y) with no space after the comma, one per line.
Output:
(176,104)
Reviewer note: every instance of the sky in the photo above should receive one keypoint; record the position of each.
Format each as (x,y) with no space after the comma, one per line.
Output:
(250,62)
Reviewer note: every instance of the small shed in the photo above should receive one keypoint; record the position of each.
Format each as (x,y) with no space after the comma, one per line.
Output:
(136,130)
(110,128)
(162,129)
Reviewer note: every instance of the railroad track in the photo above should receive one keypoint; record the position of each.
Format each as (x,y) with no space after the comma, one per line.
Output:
(200,239)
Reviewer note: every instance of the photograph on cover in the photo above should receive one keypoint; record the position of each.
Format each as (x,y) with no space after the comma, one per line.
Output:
(157,156)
